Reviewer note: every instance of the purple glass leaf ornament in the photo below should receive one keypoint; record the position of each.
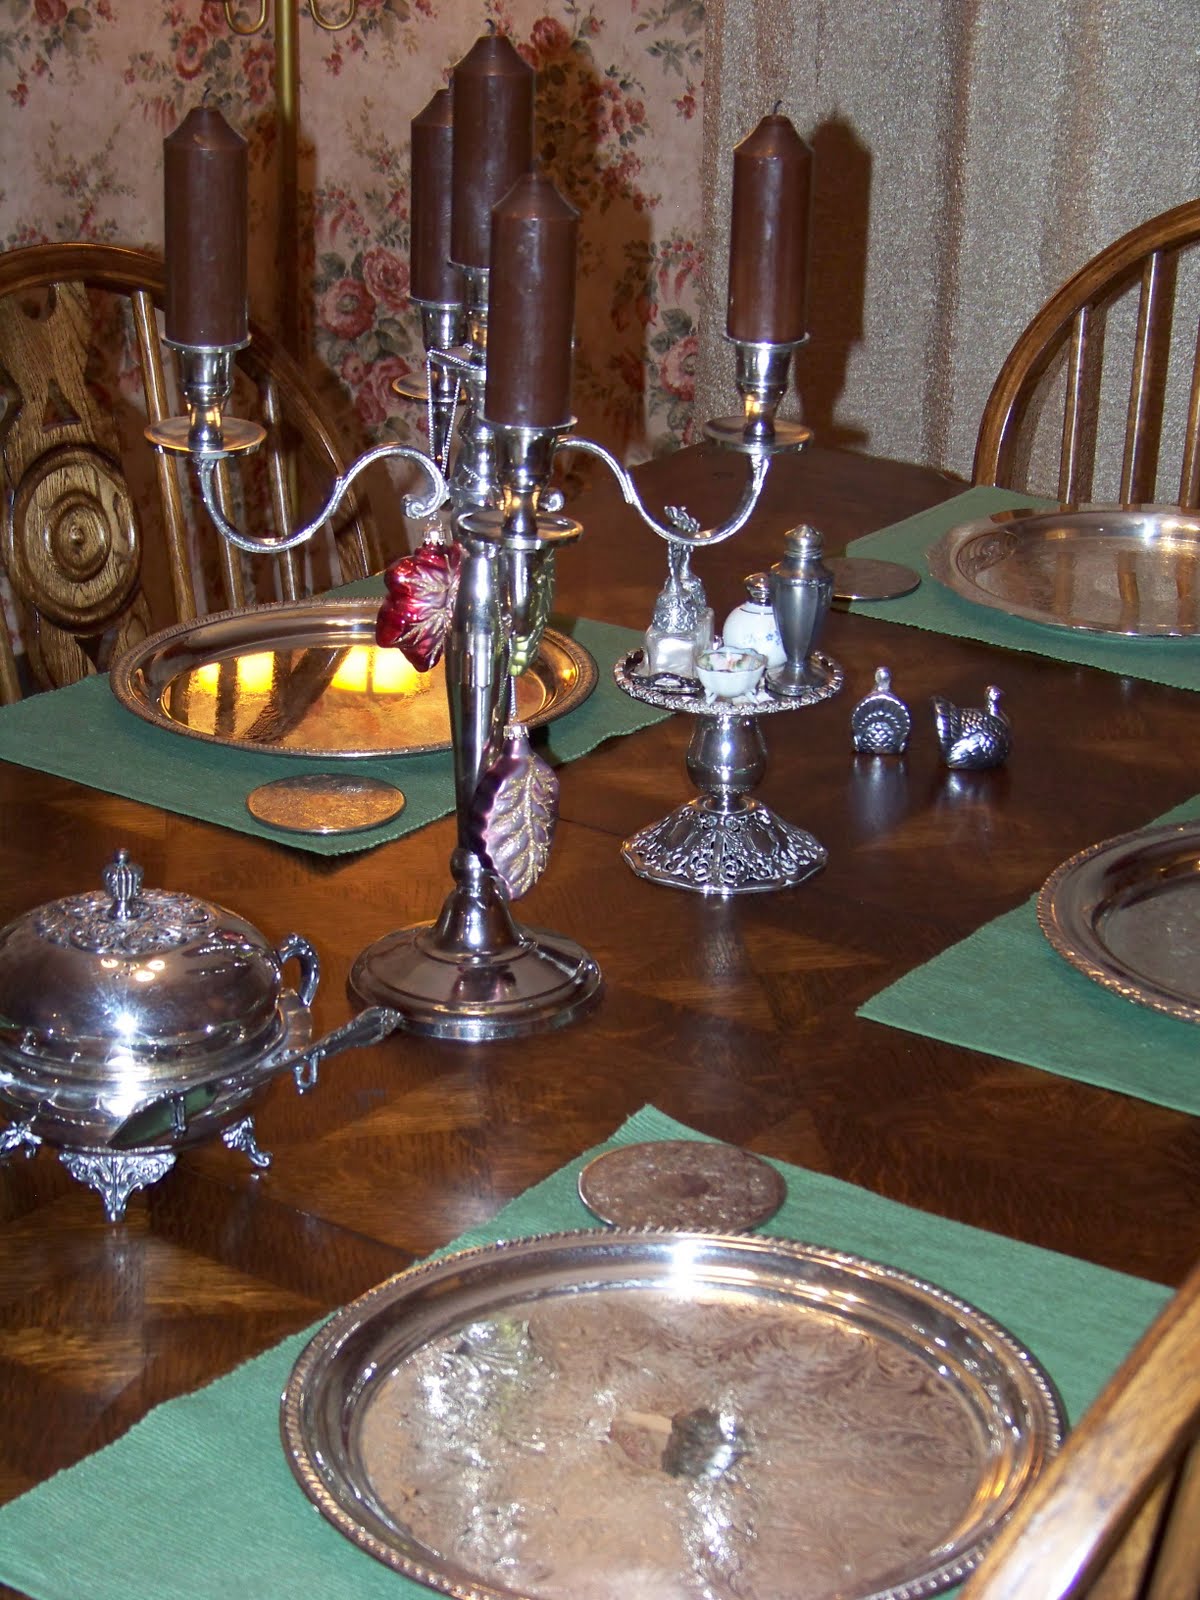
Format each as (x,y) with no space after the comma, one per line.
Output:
(511,826)
(415,615)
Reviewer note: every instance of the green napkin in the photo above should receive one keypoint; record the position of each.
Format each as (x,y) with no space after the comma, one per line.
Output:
(84,733)
(1175,662)
(1005,990)
(196,1502)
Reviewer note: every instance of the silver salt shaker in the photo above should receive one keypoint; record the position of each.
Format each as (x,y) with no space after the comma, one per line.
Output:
(801,592)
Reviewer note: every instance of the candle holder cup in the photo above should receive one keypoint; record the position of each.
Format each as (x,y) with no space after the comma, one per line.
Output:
(762,373)
(443,325)
(208,436)
(206,380)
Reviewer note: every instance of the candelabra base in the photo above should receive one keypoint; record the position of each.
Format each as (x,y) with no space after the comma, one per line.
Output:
(545,981)
(714,851)
(475,974)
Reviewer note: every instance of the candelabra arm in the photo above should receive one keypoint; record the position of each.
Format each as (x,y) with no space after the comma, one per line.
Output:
(414,505)
(681,527)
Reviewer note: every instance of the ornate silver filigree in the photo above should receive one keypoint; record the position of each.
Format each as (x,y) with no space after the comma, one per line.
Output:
(155,920)
(116,1174)
(19,1137)
(719,852)
(240,1136)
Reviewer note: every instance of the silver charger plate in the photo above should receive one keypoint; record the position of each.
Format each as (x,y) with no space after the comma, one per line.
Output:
(1103,569)
(1126,913)
(306,678)
(584,1415)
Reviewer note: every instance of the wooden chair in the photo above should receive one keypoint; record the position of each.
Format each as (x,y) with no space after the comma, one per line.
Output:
(92,520)
(1116,1515)
(1071,326)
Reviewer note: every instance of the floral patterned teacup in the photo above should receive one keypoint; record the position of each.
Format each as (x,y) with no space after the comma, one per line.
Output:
(730,674)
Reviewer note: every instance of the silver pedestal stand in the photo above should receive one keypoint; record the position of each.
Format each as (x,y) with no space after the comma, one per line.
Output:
(725,842)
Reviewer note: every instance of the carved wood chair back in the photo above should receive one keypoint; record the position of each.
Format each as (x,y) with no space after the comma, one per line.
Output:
(1065,341)
(1116,1516)
(102,537)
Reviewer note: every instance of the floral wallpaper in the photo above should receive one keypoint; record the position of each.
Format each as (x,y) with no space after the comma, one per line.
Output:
(87,92)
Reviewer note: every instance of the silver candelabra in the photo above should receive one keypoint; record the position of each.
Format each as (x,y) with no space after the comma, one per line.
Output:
(476,973)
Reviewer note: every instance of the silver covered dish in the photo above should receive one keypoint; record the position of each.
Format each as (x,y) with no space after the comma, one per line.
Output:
(134,1021)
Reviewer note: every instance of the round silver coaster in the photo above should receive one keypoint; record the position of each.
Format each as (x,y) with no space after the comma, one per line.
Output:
(325,802)
(682,1184)
(859,578)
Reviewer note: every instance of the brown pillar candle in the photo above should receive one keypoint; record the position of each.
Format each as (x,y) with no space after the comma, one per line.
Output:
(493,140)
(433,276)
(531,314)
(204,215)
(768,240)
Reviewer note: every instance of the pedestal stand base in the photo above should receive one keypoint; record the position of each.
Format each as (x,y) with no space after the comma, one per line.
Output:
(716,852)
(542,980)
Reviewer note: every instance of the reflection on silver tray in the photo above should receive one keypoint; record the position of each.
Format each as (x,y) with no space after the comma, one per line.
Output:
(1127,913)
(1103,569)
(595,1414)
(306,678)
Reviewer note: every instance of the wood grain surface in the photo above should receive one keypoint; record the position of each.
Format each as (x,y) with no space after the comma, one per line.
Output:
(736,1017)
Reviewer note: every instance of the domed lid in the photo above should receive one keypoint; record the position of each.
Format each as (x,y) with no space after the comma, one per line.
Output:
(137,982)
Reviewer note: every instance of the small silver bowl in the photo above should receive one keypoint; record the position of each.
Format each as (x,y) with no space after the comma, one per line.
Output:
(135,1021)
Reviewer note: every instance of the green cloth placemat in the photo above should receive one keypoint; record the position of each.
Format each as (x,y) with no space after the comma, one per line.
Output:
(1175,662)
(196,1502)
(84,733)
(1004,990)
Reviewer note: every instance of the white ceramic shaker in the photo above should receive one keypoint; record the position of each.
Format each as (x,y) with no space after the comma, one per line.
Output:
(752,625)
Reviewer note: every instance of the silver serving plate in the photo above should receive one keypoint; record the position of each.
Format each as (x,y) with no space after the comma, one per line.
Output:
(306,678)
(1131,570)
(1126,913)
(585,1415)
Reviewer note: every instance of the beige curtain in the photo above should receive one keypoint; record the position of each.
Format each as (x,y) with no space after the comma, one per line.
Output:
(969,157)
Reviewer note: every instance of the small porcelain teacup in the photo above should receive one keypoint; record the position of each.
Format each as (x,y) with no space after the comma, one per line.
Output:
(730,674)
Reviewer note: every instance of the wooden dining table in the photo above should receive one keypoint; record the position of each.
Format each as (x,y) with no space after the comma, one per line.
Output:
(736,1016)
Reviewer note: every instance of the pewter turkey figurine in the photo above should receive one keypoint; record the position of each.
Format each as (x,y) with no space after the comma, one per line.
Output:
(881,723)
(971,739)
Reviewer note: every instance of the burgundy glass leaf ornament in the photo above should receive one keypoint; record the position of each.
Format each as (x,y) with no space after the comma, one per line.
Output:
(415,615)
(512,819)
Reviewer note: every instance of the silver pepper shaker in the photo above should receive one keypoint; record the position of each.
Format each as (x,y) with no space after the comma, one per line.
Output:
(801,591)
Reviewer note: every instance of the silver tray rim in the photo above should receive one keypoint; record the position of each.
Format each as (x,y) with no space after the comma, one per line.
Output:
(126,675)
(339,1500)
(941,559)
(1075,939)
